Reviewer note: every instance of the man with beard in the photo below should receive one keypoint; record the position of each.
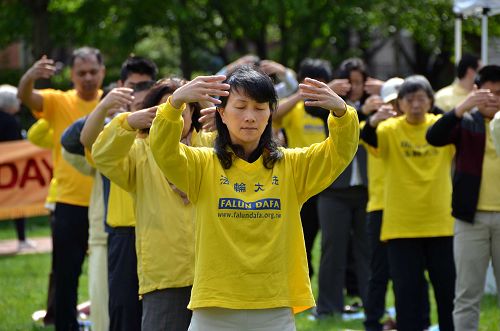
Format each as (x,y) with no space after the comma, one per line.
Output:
(60,109)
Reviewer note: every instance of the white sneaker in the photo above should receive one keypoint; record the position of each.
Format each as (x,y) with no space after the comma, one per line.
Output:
(26,245)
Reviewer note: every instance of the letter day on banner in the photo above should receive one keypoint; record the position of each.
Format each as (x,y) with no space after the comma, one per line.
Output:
(25,174)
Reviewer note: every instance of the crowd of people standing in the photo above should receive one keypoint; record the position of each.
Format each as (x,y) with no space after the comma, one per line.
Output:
(199,202)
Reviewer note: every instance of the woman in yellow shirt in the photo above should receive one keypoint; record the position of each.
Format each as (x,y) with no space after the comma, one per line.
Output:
(164,231)
(417,222)
(250,262)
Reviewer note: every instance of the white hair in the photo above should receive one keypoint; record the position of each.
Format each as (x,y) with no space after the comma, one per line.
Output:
(8,98)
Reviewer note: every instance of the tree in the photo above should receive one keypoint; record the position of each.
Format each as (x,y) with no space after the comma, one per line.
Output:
(204,34)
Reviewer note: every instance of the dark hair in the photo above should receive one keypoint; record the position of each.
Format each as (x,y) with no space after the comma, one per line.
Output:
(416,83)
(168,86)
(467,61)
(257,85)
(352,64)
(138,65)
(85,52)
(489,73)
(315,68)
(344,72)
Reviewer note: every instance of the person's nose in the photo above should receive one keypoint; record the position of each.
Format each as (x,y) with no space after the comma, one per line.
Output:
(88,76)
(249,116)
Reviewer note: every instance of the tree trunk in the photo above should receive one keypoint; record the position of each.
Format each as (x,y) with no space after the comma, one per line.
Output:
(41,34)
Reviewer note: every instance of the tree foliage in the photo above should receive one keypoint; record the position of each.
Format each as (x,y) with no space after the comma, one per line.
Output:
(202,35)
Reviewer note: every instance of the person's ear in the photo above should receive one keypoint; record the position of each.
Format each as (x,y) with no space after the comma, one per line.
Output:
(221,112)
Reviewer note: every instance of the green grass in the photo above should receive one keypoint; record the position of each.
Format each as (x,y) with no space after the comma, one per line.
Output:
(35,227)
(23,290)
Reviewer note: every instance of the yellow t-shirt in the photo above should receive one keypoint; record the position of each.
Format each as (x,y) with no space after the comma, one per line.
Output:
(302,129)
(250,251)
(450,96)
(164,227)
(417,200)
(489,191)
(61,109)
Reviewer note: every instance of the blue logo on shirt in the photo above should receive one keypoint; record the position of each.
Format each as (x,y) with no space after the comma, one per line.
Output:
(262,204)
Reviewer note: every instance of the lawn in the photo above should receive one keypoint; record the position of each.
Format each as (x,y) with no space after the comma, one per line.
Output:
(23,289)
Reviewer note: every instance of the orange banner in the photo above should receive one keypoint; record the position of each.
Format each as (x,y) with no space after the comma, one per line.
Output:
(25,173)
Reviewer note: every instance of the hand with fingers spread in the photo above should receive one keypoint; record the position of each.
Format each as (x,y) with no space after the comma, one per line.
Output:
(207,119)
(202,88)
(340,86)
(320,95)
(142,119)
(116,100)
(384,112)
(43,68)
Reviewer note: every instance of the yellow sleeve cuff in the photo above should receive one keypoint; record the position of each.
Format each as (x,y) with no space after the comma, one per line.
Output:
(344,119)
(125,123)
(167,111)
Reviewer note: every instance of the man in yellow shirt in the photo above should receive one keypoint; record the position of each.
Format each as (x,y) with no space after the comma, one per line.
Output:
(450,96)
(60,109)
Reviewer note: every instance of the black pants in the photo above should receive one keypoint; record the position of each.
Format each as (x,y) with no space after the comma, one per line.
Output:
(71,233)
(51,292)
(379,273)
(342,216)
(125,309)
(20,224)
(408,258)
(310,227)
(379,277)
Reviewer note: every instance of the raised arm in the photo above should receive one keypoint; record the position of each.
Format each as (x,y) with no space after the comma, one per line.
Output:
(116,101)
(369,134)
(43,68)
(179,163)
(317,166)
(113,151)
(288,83)
(445,130)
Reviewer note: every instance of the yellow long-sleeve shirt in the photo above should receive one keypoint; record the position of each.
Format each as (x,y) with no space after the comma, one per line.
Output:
(164,224)
(417,201)
(249,244)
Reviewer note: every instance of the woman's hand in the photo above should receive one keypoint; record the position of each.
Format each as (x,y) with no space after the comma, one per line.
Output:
(207,119)
(384,112)
(142,119)
(319,94)
(202,88)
